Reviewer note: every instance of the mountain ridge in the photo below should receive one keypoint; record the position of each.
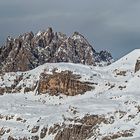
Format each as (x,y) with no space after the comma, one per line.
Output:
(31,50)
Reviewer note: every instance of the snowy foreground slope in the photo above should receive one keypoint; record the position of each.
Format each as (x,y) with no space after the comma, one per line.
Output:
(115,98)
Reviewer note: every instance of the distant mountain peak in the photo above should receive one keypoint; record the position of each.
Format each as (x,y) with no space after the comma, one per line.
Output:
(30,50)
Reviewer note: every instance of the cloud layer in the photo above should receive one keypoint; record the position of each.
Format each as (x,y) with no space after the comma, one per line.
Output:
(107,24)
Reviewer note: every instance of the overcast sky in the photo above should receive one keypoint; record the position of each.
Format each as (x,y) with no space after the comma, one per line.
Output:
(112,25)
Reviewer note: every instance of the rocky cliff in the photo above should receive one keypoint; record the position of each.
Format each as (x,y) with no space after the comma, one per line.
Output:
(137,66)
(31,50)
(65,82)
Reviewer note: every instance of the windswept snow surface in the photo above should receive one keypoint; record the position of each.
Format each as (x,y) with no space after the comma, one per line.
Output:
(114,95)
(127,62)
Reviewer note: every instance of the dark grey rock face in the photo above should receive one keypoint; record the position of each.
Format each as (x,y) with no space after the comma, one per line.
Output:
(29,51)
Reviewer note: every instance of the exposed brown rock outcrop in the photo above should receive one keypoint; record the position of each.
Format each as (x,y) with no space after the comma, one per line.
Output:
(126,133)
(82,129)
(74,132)
(65,82)
(2,90)
(35,129)
(137,66)
(43,132)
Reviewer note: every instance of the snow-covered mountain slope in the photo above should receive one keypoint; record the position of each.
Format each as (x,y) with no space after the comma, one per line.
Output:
(127,62)
(110,110)
(133,83)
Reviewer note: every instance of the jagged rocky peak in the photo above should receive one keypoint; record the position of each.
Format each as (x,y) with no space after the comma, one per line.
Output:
(30,50)
(27,36)
(79,38)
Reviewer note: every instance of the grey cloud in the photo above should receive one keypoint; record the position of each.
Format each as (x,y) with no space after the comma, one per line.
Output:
(107,24)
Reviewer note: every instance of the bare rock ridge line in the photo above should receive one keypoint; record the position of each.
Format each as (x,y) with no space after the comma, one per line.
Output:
(30,50)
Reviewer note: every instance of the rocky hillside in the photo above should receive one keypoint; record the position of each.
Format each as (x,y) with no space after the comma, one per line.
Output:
(30,50)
